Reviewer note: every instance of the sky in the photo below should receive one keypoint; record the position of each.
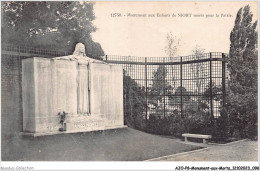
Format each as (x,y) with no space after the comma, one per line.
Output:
(146,36)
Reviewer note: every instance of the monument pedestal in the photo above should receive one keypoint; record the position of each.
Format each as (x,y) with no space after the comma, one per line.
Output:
(51,86)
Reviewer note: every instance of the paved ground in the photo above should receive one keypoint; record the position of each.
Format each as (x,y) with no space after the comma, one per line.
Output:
(245,150)
(124,144)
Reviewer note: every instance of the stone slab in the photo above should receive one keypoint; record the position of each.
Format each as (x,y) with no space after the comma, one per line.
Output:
(67,132)
(52,86)
(106,92)
(28,85)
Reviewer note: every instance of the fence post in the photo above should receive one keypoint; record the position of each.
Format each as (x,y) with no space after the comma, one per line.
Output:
(164,82)
(210,84)
(223,78)
(20,82)
(181,86)
(146,107)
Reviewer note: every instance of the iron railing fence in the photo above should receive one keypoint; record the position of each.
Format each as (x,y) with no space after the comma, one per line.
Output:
(26,52)
(186,85)
(31,51)
(167,86)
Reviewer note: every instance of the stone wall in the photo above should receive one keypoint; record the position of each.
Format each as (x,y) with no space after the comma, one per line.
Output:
(11,103)
(51,86)
(107,92)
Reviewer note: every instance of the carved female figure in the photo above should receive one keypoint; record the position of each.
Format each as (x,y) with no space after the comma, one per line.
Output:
(83,90)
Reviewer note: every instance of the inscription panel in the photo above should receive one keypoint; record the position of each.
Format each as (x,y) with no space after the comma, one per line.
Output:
(52,86)
(65,86)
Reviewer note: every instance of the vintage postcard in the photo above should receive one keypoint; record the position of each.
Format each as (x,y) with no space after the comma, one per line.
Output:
(138,81)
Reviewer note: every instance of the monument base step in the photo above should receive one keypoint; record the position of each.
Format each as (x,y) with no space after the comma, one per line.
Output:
(38,134)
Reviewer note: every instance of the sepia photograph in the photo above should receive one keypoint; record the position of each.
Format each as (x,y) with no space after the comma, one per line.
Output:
(85,81)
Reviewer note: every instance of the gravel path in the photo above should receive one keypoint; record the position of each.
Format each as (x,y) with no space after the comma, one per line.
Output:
(245,150)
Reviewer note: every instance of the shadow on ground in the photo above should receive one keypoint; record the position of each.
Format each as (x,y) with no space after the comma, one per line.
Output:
(124,144)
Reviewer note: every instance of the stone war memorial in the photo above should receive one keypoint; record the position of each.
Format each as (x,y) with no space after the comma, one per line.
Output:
(71,94)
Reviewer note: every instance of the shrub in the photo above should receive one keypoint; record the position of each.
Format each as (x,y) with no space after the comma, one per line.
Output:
(176,125)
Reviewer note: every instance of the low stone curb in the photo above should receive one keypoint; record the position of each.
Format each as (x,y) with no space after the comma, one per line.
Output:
(189,152)
(227,143)
(66,132)
(175,155)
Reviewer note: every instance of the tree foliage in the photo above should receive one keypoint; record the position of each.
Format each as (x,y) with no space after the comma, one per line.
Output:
(172,45)
(241,101)
(47,24)
(134,102)
(159,85)
(198,69)
(180,91)
(171,50)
